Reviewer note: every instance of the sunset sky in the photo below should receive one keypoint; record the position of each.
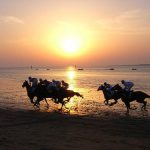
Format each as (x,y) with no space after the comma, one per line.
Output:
(74,32)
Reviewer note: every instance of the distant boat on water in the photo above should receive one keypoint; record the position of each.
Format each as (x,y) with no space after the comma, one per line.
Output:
(134,69)
(111,69)
(80,69)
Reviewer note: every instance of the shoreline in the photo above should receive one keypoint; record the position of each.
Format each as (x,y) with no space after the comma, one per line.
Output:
(54,130)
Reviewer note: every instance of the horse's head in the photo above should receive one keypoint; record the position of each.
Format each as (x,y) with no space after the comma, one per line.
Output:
(25,84)
(101,87)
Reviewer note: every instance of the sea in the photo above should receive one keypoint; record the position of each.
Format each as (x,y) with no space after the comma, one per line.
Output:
(85,81)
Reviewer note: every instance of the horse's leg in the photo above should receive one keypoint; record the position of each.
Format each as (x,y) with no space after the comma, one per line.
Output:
(127,106)
(61,106)
(46,102)
(144,104)
(113,103)
(37,102)
(106,102)
(31,100)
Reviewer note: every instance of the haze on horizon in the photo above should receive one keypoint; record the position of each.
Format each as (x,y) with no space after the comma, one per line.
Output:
(74,32)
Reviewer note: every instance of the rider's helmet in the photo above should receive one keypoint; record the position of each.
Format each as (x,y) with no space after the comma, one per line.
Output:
(105,83)
(40,79)
(122,81)
(29,78)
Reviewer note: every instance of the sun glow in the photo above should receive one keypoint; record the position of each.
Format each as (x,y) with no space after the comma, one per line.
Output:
(69,40)
(70,45)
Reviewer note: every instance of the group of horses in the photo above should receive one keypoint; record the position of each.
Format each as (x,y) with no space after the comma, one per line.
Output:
(126,97)
(63,96)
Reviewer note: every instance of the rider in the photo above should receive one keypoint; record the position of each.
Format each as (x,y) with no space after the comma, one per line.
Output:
(127,85)
(64,85)
(108,88)
(33,82)
(56,84)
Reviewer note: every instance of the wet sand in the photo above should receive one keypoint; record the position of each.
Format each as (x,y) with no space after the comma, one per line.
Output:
(34,130)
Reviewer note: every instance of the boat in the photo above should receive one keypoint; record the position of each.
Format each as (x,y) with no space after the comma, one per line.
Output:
(80,69)
(111,69)
(134,69)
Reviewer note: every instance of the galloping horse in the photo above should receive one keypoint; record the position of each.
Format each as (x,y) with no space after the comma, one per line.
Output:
(41,93)
(139,96)
(115,96)
(30,94)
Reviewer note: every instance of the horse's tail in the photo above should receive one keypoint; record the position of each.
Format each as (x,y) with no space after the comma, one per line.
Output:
(78,94)
(148,96)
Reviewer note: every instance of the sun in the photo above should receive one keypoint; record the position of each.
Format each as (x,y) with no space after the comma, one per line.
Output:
(70,45)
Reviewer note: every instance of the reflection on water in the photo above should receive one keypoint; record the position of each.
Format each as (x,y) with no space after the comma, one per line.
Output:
(71,75)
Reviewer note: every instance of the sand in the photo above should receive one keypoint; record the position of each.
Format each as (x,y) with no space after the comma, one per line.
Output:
(35,130)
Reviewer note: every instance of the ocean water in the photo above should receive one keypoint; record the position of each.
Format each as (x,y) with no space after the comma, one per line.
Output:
(86,82)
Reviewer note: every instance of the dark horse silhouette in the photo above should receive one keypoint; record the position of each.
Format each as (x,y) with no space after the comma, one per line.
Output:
(63,96)
(139,96)
(117,94)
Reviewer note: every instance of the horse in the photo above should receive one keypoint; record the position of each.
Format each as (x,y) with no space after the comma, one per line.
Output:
(30,94)
(115,96)
(126,97)
(139,96)
(42,93)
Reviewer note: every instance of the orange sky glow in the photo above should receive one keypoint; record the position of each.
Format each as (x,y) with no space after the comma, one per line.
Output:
(71,32)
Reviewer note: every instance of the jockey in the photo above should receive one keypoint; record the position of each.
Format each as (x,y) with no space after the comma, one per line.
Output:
(33,82)
(56,84)
(127,85)
(64,85)
(108,88)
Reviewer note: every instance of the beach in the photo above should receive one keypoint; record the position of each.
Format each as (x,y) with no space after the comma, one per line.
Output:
(87,123)
(35,130)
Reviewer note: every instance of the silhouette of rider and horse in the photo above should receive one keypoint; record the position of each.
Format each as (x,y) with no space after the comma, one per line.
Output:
(125,94)
(59,95)
(58,91)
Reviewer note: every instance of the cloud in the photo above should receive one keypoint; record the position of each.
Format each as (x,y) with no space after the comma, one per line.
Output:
(10,19)
(133,21)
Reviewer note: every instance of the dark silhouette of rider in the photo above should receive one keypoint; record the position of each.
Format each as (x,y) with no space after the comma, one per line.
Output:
(64,85)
